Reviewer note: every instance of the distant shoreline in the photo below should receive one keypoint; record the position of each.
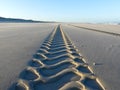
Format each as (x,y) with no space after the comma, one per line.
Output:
(14,20)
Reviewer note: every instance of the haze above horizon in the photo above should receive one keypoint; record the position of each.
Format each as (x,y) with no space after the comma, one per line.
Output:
(62,10)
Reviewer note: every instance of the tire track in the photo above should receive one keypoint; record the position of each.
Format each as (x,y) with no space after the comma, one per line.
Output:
(96,30)
(58,65)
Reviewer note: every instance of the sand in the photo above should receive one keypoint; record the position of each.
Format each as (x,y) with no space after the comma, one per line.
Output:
(18,43)
(47,57)
(58,65)
(100,48)
(110,28)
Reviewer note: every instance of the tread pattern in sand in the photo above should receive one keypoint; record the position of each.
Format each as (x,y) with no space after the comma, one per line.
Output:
(58,65)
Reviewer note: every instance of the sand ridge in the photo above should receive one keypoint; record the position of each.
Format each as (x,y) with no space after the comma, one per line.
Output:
(97,30)
(58,65)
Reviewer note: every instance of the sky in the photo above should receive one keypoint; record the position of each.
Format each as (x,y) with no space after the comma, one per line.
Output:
(62,10)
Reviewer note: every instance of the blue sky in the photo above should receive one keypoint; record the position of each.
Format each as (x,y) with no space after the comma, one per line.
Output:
(62,10)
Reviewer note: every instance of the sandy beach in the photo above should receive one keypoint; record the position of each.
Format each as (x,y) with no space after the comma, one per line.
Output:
(59,45)
(52,57)
(18,43)
(58,65)
(100,48)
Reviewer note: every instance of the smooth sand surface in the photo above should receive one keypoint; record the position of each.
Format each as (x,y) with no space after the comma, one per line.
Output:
(100,49)
(102,27)
(18,43)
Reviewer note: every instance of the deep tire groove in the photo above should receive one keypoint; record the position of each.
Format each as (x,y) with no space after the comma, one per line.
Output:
(58,65)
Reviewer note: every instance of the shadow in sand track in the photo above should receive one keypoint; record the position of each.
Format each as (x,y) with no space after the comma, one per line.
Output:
(57,65)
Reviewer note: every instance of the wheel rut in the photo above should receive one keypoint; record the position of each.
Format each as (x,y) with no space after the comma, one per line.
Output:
(58,65)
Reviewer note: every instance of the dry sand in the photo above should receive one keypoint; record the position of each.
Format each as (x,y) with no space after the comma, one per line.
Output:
(18,43)
(58,64)
(100,48)
(112,28)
